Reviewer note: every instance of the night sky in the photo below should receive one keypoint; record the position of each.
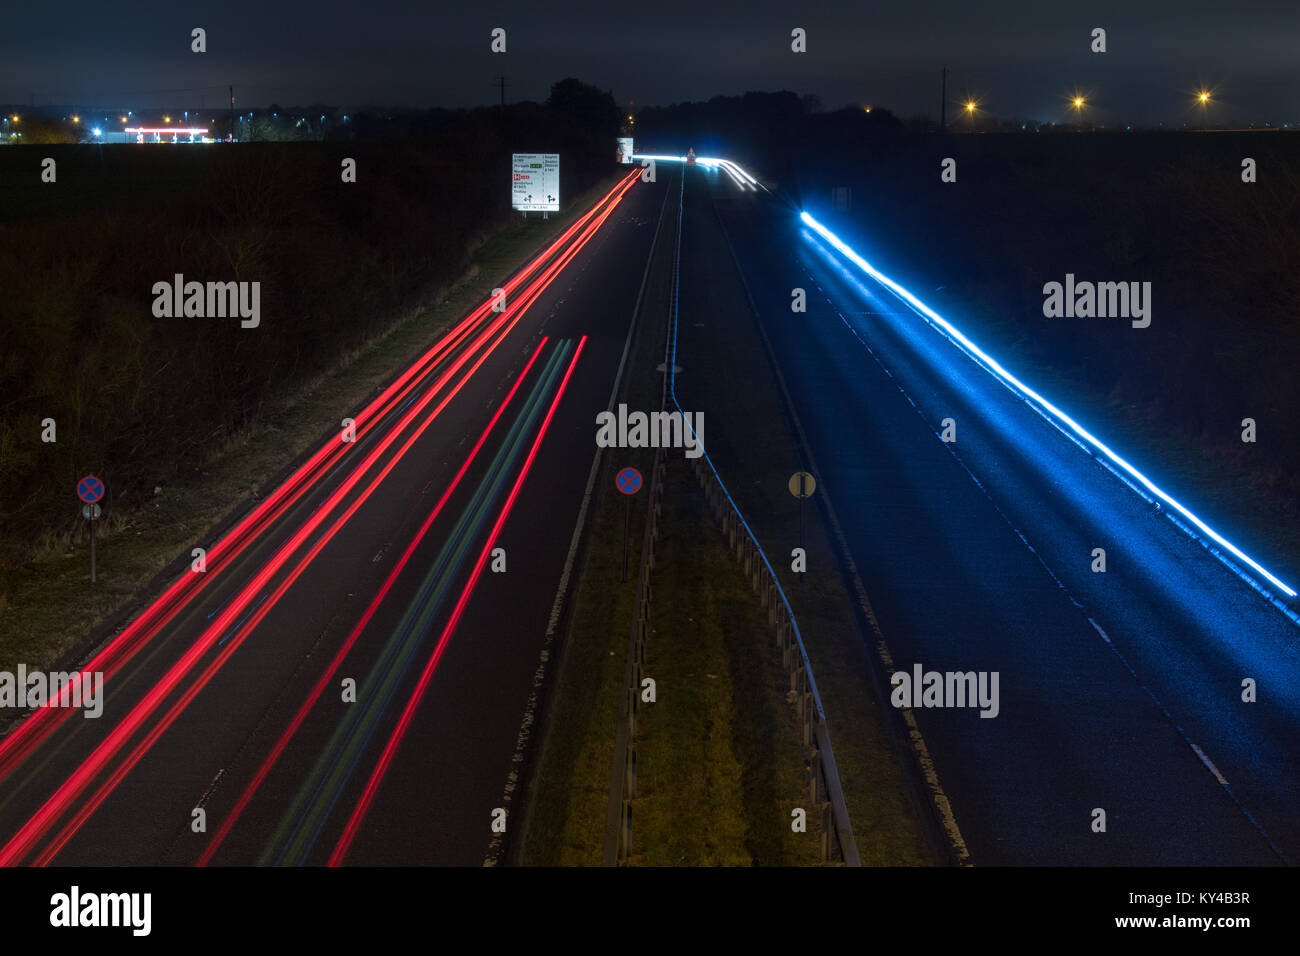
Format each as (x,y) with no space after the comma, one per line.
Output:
(1020,59)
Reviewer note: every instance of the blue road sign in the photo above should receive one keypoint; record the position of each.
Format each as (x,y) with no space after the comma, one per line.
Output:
(628,481)
(90,489)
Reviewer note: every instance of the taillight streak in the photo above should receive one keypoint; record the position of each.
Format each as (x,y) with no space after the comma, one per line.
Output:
(22,842)
(229,821)
(408,712)
(17,745)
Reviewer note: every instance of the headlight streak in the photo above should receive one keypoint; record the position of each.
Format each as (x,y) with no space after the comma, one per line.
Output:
(738,175)
(1043,405)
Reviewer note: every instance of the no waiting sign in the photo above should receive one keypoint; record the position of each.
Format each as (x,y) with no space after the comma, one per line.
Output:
(535,182)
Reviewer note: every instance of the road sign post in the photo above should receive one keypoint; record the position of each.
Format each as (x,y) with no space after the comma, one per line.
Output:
(802,486)
(628,482)
(90,489)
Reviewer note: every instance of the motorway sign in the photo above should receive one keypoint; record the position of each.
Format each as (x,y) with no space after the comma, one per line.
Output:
(628,481)
(90,489)
(625,149)
(535,182)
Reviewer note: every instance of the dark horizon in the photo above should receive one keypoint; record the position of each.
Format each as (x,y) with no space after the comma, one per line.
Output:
(1016,61)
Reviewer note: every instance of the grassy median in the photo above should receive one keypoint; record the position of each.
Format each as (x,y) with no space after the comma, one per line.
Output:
(720,764)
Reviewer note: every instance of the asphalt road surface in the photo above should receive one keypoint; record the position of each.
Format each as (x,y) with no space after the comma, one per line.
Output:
(1119,691)
(371,565)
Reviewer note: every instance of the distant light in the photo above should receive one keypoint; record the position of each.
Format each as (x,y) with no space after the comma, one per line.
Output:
(96,132)
(76,119)
(866,109)
(970,106)
(122,118)
(1203,96)
(1078,102)
(14,117)
(167,119)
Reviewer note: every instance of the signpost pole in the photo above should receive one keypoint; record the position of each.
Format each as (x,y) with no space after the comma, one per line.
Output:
(90,489)
(628,482)
(627,523)
(802,486)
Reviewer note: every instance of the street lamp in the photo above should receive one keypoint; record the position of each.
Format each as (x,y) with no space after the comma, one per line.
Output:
(1203,99)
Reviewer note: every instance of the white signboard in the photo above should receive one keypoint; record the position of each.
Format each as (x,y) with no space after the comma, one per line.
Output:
(535,182)
(625,149)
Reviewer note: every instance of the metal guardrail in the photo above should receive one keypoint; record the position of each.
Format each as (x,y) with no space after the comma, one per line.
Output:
(823,775)
(825,793)
(824,790)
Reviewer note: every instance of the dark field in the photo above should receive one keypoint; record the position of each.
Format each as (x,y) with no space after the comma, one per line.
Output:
(142,401)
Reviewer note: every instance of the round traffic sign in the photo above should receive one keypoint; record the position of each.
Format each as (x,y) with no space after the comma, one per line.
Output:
(90,489)
(802,484)
(628,481)
(91,512)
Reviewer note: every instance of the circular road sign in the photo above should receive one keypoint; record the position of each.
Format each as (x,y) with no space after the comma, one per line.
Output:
(802,484)
(90,489)
(628,481)
(91,512)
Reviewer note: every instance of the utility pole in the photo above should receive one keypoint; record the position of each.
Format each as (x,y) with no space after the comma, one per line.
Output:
(943,101)
(502,80)
(232,114)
